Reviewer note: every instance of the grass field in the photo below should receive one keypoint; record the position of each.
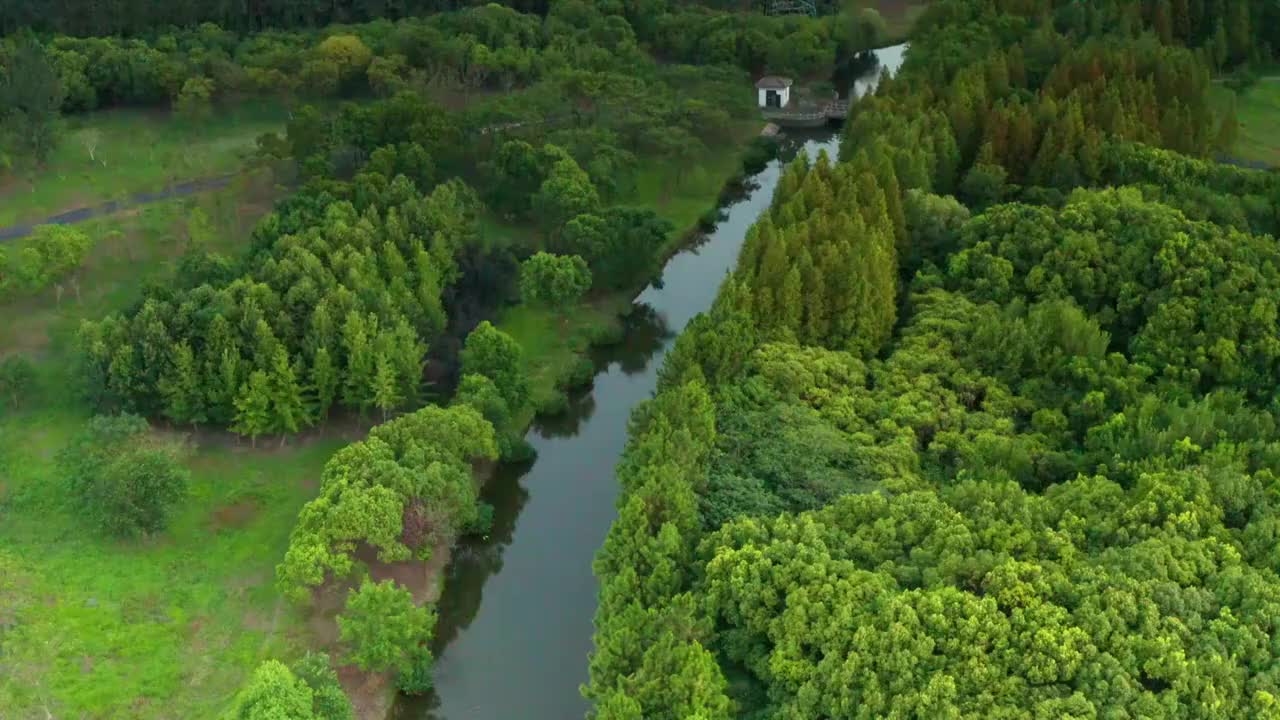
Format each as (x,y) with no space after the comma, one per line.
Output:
(1258,110)
(136,151)
(682,196)
(151,629)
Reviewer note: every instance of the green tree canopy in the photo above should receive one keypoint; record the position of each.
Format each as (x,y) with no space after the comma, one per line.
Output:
(382,626)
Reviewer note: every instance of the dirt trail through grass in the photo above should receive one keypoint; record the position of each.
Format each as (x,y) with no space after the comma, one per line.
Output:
(182,189)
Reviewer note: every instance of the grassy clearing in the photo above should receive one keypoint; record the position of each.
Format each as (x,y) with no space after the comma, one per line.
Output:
(137,151)
(166,627)
(1258,110)
(552,341)
(161,628)
(682,191)
(130,248)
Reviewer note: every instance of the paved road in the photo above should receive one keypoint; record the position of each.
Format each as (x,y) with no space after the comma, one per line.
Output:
(78,215)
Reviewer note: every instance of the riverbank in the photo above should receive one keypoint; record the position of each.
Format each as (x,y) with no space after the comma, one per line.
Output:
(515,625)
(554,342)
(515,619)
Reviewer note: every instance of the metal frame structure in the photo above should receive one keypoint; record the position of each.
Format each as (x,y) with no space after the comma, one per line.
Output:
(793,7)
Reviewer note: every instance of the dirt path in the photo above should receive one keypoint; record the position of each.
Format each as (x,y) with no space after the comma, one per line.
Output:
(70,217)
(1263,79)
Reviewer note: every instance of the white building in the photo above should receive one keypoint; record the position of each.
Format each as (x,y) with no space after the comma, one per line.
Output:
(774,92)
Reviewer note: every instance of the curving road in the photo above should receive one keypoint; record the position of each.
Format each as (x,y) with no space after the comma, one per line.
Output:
(182,189)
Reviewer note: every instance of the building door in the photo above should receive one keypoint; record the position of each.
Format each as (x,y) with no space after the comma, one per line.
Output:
(772,99)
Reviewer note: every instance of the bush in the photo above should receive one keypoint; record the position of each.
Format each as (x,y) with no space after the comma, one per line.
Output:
(551,404)
(483,521)
(578,375)
(758,154)
(383,627)
(121,479)
(707,221)
(515,449)
(606,334)
(17,378)
(417,678)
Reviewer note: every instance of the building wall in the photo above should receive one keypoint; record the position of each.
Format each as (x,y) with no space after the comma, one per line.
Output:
(784,94)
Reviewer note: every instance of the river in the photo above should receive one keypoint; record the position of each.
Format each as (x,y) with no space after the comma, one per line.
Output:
(516,616)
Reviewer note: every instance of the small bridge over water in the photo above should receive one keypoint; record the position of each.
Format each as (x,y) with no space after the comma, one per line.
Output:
(817,116)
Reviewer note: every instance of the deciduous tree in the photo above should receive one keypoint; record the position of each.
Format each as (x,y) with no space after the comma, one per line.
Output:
(382,626)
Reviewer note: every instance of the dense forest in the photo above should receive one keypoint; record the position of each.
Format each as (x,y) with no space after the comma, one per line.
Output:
(985,422)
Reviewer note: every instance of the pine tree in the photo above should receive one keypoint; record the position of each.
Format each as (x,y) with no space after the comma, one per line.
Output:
(1162,21)
(407,355)
(253,407)
(1219,48)
(791,304)
(386,389)
(288,407)
(358,345)
(321,333)
(1181,16)
(1239,35)
(324,379)
(264,344)
(183,396)
(225,385)
(888,180)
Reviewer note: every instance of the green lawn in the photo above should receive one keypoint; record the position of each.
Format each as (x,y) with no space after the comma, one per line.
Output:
(1258,110)
(161,628)
(166,627)
(553,340)
(683,191)
(137,151)
(130,247)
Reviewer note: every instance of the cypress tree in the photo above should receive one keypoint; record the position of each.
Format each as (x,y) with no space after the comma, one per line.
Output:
(360,364)
(183,396)
(385,388)
(324,379)
(253,407)
(288,407)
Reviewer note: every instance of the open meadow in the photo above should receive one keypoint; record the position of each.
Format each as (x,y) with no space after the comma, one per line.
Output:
(113,154)
(1258,114)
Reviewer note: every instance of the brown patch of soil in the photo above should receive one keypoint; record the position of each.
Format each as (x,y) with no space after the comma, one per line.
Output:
(421,579)
(236,515)
(347,427)
(371,694)
(326,602)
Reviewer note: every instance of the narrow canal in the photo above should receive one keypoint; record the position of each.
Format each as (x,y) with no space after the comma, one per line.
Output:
(516,617)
